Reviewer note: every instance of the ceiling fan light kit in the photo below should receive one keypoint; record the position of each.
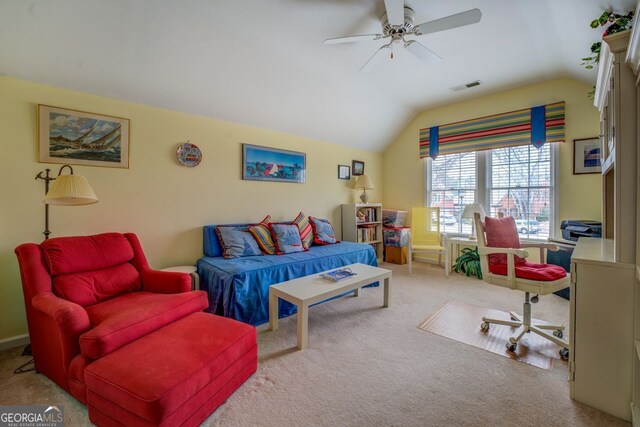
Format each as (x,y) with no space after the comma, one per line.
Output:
(397,23)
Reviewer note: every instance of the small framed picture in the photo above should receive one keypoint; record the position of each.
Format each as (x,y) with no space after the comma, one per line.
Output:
(586,156)
(344,172)
(357,168)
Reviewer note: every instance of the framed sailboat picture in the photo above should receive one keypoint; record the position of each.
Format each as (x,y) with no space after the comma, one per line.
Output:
(81,138)
(272,164)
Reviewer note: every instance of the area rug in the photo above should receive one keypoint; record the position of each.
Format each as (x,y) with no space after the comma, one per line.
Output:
(460,321)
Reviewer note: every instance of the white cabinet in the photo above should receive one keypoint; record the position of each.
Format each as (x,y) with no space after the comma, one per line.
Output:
(604,363)
(633,60)
(601,341)
(362,223)
(616,98)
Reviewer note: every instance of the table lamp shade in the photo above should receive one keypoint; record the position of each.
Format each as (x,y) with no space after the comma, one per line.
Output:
(471,209)
(364,182)
(468,212)
(70,190)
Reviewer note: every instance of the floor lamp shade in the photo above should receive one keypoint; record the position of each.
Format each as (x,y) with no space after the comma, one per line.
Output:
(70,190)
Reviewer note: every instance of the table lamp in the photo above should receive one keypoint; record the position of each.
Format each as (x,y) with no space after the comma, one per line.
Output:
(468,212)
(365,183)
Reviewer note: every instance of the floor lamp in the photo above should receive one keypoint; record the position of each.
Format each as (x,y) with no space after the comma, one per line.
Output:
(67,190)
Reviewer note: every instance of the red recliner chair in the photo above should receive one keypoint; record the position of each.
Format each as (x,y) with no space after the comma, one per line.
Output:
(87,296)
(93,302)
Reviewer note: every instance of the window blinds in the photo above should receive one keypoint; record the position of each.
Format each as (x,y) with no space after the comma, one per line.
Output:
(535,126)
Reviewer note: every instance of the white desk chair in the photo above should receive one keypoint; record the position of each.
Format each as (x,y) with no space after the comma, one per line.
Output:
(541,280)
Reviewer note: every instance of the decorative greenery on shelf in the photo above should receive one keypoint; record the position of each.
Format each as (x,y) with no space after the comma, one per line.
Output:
(616,23)
(469,263)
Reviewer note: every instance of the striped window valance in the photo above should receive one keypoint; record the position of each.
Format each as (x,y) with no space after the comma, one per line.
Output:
(535,126)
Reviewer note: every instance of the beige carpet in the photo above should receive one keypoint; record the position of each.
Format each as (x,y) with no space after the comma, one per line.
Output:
(460,321)
(370,366)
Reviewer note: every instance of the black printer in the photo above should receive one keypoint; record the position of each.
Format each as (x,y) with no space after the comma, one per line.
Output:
(572,229)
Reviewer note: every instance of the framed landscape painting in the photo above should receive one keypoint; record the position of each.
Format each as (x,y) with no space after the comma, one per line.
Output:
(81,138)
(586,156)
(272,164)
(357,168)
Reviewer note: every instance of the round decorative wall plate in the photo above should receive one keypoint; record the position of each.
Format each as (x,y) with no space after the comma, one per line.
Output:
(189,154)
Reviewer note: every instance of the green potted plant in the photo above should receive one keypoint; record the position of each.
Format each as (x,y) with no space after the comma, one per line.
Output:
(615,24)
(469,263)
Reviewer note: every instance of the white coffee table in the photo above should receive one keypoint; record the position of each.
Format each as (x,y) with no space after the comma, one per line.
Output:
(308,290)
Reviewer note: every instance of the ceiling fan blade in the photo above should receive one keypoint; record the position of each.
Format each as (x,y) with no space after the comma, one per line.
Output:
(422,53)
(448,22)
(376,58)
(358,38)
(395,11)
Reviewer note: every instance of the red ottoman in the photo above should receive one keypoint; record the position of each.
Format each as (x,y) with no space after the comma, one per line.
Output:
(175,376)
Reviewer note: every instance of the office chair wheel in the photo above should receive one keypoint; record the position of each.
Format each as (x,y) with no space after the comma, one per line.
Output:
(564,353)
(535,299)
(558,333)
(512,346)
(484,327)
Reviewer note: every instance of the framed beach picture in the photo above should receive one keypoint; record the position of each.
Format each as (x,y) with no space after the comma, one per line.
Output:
(81,138)
(272,164)
(586,156)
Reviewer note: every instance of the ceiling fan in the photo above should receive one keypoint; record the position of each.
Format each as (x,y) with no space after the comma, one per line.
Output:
(397,23)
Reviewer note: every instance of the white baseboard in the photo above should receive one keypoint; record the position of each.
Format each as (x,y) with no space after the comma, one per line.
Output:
(15,341)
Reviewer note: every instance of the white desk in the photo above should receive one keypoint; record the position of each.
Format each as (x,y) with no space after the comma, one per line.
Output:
(452,249)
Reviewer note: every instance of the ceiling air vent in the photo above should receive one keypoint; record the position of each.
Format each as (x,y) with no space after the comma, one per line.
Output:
(466,86)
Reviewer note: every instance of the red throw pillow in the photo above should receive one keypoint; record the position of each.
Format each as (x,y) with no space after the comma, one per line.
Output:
(502,233)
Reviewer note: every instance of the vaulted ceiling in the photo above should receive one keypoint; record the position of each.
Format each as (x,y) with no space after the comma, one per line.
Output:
(263,62)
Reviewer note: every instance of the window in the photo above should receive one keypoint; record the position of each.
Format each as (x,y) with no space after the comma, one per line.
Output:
(516,181)
(520,186)
(453,185)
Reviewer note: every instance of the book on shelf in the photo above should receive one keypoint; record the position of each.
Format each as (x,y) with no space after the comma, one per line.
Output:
(339,274)
(367,233)
(366,215)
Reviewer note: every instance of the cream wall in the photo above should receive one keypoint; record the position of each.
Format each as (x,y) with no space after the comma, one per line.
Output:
(165,203)
(578,195)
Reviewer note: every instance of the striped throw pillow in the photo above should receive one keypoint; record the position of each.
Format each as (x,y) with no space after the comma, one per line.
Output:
(306,232)
(262,234)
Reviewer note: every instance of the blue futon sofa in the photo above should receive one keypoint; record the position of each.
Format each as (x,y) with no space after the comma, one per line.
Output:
(239,287)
